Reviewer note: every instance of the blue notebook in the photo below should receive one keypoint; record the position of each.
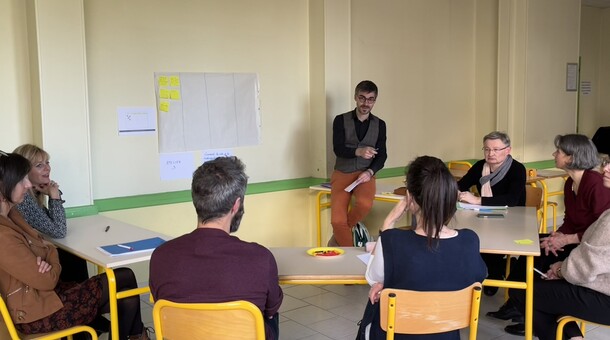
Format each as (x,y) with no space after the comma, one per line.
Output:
(134,247)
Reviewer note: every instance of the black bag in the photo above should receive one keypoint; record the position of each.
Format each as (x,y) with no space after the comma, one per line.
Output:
(367,319)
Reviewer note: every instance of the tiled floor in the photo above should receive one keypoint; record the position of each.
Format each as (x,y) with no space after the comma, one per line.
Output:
(332,311)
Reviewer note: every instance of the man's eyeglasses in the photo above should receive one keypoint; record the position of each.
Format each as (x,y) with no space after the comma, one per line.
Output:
(363,99)
(605,161)
(488,150)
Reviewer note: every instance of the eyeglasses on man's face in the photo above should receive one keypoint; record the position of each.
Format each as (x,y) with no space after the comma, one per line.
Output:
(368,100)
(605,161)
(488,150)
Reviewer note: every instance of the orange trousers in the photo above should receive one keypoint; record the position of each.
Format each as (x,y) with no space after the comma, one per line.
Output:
(342,218)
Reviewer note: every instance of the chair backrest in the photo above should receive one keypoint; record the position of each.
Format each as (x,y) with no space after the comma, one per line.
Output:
(561,322)
(459,165)
(226,320)
(533,197)
(8,330)
(416,312)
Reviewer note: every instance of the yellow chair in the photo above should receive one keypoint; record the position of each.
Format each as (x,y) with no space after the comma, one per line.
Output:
(211,321)
(8,331)
(415,312)
(565,319)
(459,165)
(533,198)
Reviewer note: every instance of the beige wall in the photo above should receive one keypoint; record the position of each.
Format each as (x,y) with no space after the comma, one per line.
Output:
(602,114)
(15,108)
(280,219)
(267,37)
(590,53)
(444,74)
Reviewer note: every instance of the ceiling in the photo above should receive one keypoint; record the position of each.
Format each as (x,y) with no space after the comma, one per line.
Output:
(596,3)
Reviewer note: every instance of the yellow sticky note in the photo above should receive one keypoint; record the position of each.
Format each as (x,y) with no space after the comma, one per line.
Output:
(174,81)
(163,81)
(174,94)
(164,106)
(163,93)
(524,242)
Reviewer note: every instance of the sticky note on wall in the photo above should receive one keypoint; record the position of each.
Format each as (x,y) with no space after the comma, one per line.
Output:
(164,93)
(163,81)
(164,106)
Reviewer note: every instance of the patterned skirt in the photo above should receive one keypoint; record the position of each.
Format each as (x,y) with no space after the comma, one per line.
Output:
(81,302)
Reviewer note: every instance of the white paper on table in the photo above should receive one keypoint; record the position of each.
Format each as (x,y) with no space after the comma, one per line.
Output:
(477,207)
(365,257)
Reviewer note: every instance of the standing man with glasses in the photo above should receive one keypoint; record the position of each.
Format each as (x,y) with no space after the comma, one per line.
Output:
(359,142)
(500,180)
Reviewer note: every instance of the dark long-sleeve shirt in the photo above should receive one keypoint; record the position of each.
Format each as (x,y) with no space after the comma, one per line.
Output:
(361,128)
(209,265)
(509,191)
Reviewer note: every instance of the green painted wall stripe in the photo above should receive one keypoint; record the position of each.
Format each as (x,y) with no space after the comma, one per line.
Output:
(149,200)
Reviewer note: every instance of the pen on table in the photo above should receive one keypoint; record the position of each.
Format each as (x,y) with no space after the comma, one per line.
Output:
(124,246)
(107,228)
(541,273)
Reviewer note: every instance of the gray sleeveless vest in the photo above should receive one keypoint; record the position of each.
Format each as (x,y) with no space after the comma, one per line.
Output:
(349,165)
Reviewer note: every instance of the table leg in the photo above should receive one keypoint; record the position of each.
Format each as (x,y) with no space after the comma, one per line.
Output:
(319,214)
(529,297)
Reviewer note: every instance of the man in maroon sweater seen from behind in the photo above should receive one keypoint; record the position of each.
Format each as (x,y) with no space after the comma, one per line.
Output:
(210,265)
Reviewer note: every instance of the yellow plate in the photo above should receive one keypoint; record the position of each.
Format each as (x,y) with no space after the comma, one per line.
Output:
(325,251)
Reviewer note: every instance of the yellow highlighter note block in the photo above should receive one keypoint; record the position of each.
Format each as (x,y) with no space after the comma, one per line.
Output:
(524,242)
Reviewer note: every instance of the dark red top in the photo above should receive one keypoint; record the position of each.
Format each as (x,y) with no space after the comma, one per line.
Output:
(585,208)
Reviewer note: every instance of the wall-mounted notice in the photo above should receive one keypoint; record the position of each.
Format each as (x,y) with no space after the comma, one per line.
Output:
(202,111)
(176,165)
(137,120)
(209,155)
(572,77)
(585,87)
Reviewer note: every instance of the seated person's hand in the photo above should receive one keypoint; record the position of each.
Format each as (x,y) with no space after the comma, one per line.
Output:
(397,212)
(366,152)
(554,272)
(554,243)
(50,189)
(468,197)
(375,292)
(43,266)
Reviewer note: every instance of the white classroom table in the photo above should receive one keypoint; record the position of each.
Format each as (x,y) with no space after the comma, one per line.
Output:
(87,233)
(497,236)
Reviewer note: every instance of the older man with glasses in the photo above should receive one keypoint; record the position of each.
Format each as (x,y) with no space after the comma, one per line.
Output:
(359,142)
(500,180)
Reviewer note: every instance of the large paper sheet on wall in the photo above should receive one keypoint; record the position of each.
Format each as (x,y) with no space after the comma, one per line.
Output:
(200,111)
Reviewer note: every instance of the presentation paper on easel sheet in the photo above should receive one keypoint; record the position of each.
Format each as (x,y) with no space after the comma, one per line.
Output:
(203,111)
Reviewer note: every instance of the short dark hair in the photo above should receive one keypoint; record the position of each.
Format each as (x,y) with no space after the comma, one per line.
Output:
(216,185)
(366,86)
(13,169)
(435,190)
(503,137)
(581,148)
